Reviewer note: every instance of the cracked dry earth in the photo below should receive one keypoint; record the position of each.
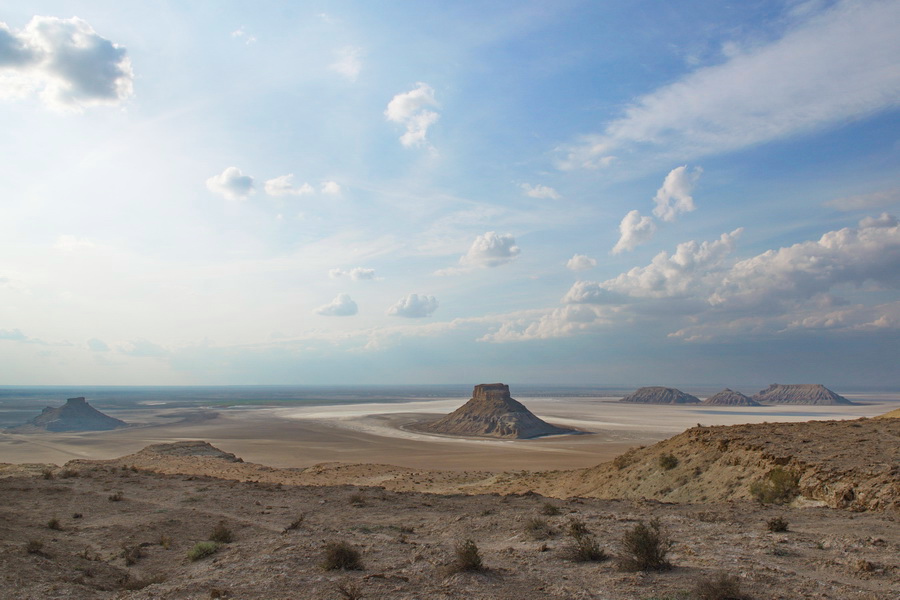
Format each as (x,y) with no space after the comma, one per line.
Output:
(136,547)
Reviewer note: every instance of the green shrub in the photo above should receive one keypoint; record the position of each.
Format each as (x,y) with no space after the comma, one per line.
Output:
(467,558)
(777,525)
(221,534)
(778,487)
(719,587)
(341,555)
(202,550)
(644,548)
(668,461)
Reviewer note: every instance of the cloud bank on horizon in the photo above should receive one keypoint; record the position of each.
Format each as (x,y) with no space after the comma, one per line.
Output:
(716,204)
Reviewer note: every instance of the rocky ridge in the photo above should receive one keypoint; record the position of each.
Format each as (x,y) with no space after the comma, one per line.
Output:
(729,397)
(660,395)
(75,415)
(806,393)
(492,412)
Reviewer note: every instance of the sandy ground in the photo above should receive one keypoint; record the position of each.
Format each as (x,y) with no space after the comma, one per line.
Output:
(375,433)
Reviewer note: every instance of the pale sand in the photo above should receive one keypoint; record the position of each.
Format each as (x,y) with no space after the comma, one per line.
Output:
(374,433)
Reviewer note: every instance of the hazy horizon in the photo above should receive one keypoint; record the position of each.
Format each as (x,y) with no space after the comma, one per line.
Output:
(350,193)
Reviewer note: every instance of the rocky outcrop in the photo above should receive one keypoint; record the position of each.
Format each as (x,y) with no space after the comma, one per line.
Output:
(75,415)
(660,395)
(729,397)
(807,393)
(491,412)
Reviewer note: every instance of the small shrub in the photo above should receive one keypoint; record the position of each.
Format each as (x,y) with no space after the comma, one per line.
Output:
(132,554)
(538,529)
(341,555)
(221,534)
(165,541)
(54,524)
(116,497)
(719,587)
(467,558)
(644,548)
(778,487)
(668,461)
(358,500)
(585,548)
(577,528)
(202,550)
(47,473)
(549,509)
(777,525)
(34,547)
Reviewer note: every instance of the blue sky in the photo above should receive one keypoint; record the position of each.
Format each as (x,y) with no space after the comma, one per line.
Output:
(411,192)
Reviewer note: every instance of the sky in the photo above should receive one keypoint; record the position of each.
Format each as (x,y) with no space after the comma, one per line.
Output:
(351,192)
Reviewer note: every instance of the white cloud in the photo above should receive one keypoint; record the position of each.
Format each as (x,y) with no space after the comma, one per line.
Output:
(866,201)
(348,62)
(14,335)
(356,273)
(413,306)
(284,186)
(71,243)
(331,188)
(66,62)
(143,349)
(633,231)
(838,65)
(581,262)
(559,322)
(540,191)
(241,33)
(491,250)
(341,306)
(231,184)
(588,292)
(674,196)
(409,109)
(95,345)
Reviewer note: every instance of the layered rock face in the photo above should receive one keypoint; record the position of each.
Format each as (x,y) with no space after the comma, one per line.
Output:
(491,412)
(807,393)
(660,395)
(729,397)
(75,415)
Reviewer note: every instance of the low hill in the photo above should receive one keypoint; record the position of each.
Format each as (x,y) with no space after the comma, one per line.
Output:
(660,395)
(75,415)
(806,393)
(894,414)
(492,412)
(728,397)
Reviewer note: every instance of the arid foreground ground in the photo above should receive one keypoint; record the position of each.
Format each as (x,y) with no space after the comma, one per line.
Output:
(124,528)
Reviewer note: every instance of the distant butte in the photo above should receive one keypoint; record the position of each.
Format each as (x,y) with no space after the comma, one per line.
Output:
(75,415)
(660,395)
(729,397)
(807,393)
(491,412)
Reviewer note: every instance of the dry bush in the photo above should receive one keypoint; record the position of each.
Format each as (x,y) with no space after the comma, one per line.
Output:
(778,487)
(584,548)
(668,461)
(116,497)
(644,548)
(221,534)
(34,547)
(577,528)
(54,524)
(777,525)
(719,587)
(466,558)
(549,509)
(202,550)
(358,499)
(341,555)
(538,529)
(47,473)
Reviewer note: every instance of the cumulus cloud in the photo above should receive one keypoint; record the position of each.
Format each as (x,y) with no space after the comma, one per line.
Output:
(231,184)
(65,62)
(95,345)
(540,191)
(348,62)
(284,186)
(14,335)
(491,250)
(560,322)
(331,188)
(588,292)
(837,65)
(674,196)
(866,201)
(356,273)
(410,109)
(341,306)
(413,306)
(633,231)
(581,262)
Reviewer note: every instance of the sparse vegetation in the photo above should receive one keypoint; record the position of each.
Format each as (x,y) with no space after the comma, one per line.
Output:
(116,496)
(221,534)
(47,473)
(34,547)
(349,590)
(341,555)
(165,541)
(202,550)
(668,461)
(577,528)
(778,487)
(467,558)
(644,548)
(777,525)
(585,548)
(358,499)
(719,587)
(549,509)
(538,529)
(54,524)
